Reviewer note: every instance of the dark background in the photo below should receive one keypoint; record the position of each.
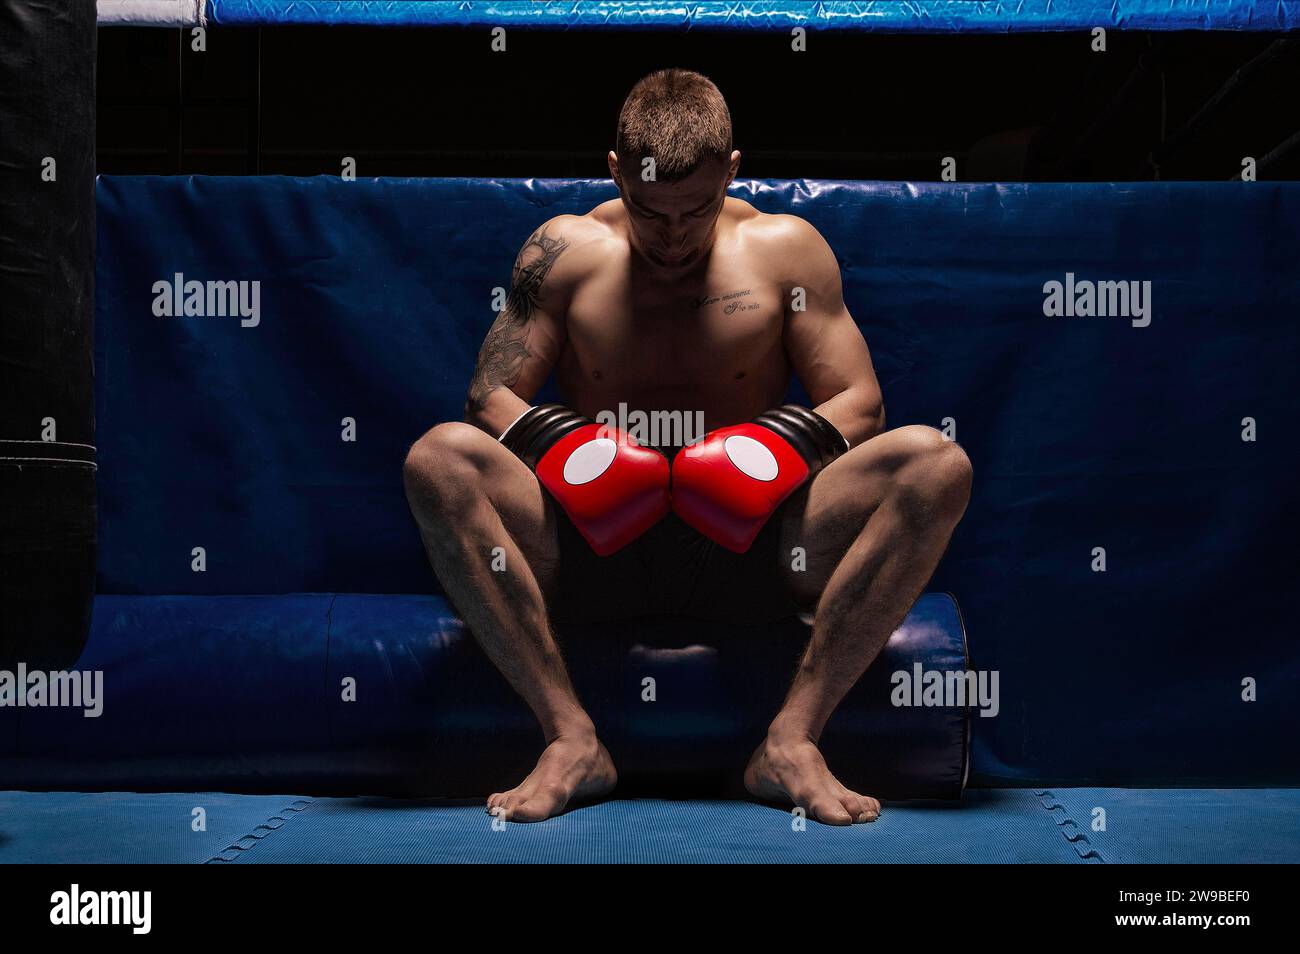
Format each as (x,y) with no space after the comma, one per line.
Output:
(426,102)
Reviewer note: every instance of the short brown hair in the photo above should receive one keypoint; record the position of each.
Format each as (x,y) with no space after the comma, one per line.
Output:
(679,118)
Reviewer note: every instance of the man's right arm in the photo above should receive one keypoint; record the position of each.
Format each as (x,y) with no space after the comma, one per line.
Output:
(612,490)
(525,341)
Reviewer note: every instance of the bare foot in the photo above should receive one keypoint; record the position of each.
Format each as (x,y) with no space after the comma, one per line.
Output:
(572,768)
(793,770)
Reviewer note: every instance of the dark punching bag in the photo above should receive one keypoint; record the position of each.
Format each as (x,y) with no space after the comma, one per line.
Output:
(47,300)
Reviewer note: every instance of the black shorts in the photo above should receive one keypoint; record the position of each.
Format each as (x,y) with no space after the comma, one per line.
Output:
(672,570)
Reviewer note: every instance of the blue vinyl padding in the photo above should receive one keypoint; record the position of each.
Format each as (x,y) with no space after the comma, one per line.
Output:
(884,16)
(248,693)
(1084,432)
(987,826)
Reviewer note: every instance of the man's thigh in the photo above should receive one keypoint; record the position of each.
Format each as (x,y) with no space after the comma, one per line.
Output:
(526,513)
(827,515)
(645,577)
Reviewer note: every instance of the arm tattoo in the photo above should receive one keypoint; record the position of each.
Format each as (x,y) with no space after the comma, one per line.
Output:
(501,359)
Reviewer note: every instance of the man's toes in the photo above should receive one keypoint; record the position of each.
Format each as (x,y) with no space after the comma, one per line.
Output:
(861,810)
(861,807)
(830,812)
(507,804)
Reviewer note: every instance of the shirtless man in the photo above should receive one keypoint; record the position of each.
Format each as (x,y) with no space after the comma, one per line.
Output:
(676,296)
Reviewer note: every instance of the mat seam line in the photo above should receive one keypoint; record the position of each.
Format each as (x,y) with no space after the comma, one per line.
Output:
(266,828)
(1047,799)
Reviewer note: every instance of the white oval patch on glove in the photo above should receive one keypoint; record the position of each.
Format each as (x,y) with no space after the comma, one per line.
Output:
(590,461)
(751,458)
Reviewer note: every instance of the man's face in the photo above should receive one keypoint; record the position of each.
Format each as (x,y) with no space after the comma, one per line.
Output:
(672,222)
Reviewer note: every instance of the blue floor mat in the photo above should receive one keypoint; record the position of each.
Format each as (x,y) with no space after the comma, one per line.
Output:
(1002,826)
(1186,826)
(129,827)
(988,825)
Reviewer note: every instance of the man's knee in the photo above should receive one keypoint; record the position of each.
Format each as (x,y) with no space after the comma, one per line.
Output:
(934,475)
(443,469)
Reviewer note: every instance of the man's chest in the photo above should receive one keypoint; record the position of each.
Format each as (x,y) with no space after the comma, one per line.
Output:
(721,327)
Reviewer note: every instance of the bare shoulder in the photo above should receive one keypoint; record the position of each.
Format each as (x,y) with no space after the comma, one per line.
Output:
(563,250)
(784,235)
(789,246)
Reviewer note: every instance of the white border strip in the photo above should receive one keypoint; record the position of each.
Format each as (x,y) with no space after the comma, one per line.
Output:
(158,13)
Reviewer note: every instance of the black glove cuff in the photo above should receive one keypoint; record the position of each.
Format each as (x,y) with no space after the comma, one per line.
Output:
(815,438)
(537,430)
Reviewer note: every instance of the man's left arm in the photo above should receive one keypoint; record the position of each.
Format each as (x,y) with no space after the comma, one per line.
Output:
(824,345)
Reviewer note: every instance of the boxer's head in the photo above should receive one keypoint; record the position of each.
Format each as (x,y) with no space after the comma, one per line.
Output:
(679,120)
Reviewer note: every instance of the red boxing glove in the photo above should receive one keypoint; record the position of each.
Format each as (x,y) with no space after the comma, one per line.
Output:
(730,483)
(612,489)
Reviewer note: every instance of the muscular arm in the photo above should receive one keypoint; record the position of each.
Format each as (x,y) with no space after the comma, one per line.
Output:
(825,347)
(524,342)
